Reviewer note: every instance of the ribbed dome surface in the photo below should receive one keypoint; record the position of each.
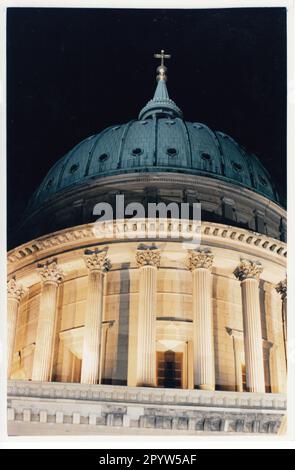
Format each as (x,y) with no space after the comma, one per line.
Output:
(156,145)
(159,141)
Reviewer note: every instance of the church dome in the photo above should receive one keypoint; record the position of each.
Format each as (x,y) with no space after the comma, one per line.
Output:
(158,141)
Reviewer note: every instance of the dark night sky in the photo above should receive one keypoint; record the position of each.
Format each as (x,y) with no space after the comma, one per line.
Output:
(73,72)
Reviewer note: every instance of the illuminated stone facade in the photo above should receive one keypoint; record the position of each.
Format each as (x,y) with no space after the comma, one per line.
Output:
(172,287)
(129,334)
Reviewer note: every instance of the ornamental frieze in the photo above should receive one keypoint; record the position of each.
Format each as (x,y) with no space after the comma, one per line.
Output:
(70,238)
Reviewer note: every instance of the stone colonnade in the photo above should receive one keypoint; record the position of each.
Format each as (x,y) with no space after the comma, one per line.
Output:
(148,259)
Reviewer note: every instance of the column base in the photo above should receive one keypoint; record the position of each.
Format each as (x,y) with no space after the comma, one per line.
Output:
(88,382)
(207,387)
(256,390)
(145,385)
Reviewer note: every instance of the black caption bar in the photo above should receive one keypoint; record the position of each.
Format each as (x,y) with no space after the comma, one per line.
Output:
(137,458)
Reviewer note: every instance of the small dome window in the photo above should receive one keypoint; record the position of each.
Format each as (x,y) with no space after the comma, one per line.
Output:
(103,157)
(237,166)
(205,156)
(170,122)
(143,123)
(116,128)
(137,152)
(49,183)
(171,152)
(74,168)
(262,180)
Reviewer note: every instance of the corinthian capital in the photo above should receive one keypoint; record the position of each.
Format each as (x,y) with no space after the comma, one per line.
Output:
(281,288)
(199,259)
(96,260)
(248,270)
(14,290)
(50,272)
(148,256)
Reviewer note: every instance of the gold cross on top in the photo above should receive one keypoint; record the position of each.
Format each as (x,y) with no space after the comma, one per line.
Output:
(162,56)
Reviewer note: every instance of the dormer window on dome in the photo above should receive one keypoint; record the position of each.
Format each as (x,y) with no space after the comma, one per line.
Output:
(136,152)
(262,180)
(237,167)
(171,152)
(49,183)
(103,157)
(205,156)
(74,168)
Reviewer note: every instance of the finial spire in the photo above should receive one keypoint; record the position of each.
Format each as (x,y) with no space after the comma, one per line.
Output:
(161,104)
(162,69)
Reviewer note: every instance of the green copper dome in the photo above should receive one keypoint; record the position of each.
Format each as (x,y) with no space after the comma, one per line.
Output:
(158,141)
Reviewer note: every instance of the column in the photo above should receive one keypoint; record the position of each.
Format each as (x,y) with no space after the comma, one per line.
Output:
(237,336)
(51,276)
(248,272)
(14,294)
(200,264)
(98,264)
(281,288)
(266,348)
(273,309)
(148,260)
